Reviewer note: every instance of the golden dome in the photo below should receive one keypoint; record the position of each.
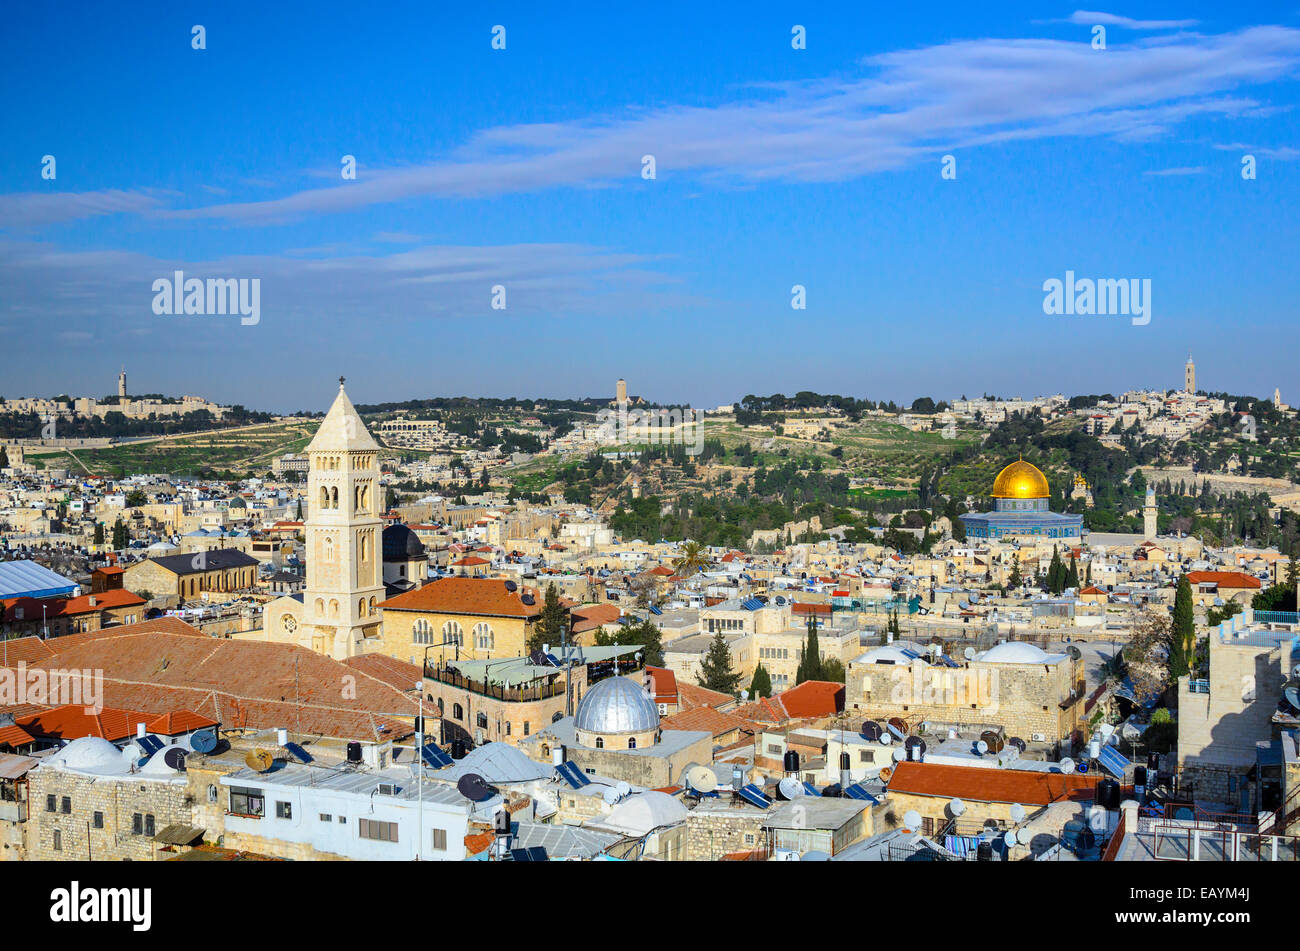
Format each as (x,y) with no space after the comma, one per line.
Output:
(1021,480)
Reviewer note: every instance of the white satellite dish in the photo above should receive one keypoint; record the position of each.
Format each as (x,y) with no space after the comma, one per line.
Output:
(1067,765)
(900,754)
(791,788)
(1017,812)
(956,807)
(981,747)
(1097,820)
(701,779)
(911,820)
(886,738)
(610,795)
(624,788)
(1009,838)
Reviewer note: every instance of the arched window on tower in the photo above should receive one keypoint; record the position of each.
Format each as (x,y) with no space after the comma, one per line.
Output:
(334,497)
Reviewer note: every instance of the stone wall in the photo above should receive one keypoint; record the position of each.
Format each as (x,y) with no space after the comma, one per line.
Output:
(712,832)
(117,800)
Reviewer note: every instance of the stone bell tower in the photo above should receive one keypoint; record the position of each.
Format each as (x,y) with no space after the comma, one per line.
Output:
(344,562)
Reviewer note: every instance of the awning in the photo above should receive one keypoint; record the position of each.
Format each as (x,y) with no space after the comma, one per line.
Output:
(179,834)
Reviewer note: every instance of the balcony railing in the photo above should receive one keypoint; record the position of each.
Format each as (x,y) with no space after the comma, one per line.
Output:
(539,690)
(1198,686)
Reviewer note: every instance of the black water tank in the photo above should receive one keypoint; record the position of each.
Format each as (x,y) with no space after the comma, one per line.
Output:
(1108,794)
(354,752)
(791,761)
(419,725)
(1139,776)
(1153,762)
(845,762)
(458,750)
(984,853)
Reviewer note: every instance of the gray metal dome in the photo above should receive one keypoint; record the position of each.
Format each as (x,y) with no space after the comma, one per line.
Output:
(617,705)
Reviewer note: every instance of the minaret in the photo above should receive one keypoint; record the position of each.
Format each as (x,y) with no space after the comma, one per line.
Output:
(1189,376)
(121,385)
(344,565)
(1149,513)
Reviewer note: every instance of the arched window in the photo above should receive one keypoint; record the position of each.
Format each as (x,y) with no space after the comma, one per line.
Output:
(361,608)
(372,605)
(481,720)
(600,742)
(422,632)
(452,634)
(320,607)
(334,608)
(631,742)
(456,712)
(212,793)
(324,497)
(484,638)
(365,546)
(329,548)
(334,497)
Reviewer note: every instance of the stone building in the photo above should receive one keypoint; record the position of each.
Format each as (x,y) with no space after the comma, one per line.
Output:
(183,577)
(89,802)
(1223,718)
(1036,696)
(460,619)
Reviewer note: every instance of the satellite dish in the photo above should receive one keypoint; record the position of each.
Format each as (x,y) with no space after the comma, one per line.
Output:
(1067,765)
(1292,695)
(898,726)
(474,788)
(1009,838)
(885,773)
(900,755)
(790,788)
(259,761)
(915,746)
(956,807)
(610,795)
(1019,744)
(511,586)
(1017,812)
(912,820)
(871,730)
(816,856)
(1097,820)
(701,779)
(981,747)
(886,738)
(175,758)
(969,653)
(204,741)
(624,788)
(993,741)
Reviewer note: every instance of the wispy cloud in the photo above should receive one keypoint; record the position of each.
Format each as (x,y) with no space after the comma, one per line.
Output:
(916,104)
(38,209)
(1093,17)
(1283,153)
(1181,170)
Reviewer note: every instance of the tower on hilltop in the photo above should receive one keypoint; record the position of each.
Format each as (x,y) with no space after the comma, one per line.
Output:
(1189,376)
(121,384)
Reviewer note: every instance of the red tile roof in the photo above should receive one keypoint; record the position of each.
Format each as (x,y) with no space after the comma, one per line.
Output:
(69,607)
(978,784)
(487,597)
(592,616)
(813,698)
(1224,579)
(15,736)
(690,696)
(665,684)
(806,608)
(709,719)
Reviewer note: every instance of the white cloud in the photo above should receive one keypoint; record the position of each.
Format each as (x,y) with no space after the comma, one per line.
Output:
(1092,17)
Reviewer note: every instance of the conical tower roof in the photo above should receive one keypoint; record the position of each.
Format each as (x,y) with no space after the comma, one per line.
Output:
(342,429)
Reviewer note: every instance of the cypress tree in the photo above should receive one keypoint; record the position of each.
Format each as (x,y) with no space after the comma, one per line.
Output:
(810,662)
(1072,573)
(1184,630)
(761,685)
(716,672)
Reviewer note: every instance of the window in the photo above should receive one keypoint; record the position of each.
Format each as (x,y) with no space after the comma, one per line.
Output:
(343,820)
(67,805)
(246,802)
(422,632)
(378,831)
(484,638)
(51,804)
(453,634)
(99,820)
(149,824)
(456,712)
(283,810)
(212,793)
(525,728)
(58,841)
(631,742)
(137,824)
(440,840)
(326,817)
(481,720)
(600,742)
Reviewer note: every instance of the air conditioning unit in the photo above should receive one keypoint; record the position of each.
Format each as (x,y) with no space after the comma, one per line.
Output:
(387,789)
(1039,737)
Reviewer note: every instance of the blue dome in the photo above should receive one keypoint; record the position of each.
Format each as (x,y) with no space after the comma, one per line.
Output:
(617,705)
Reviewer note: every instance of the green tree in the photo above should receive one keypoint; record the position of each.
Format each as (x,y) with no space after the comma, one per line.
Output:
(1056,573)
(136,498)
(833,670)
(810,659)
(1183,635)
(761,685)
(120,535)
(1015,581)
(553,623)
(1072,573)
(716,672)
(643,633)
(691,560)
(99,533)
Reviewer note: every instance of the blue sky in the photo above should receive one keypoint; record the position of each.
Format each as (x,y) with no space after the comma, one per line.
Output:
(522,167)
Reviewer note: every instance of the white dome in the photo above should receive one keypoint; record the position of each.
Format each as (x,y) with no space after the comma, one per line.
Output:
(92,754)
(892,654)
(641,812)
(1014,652)
(617,705)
